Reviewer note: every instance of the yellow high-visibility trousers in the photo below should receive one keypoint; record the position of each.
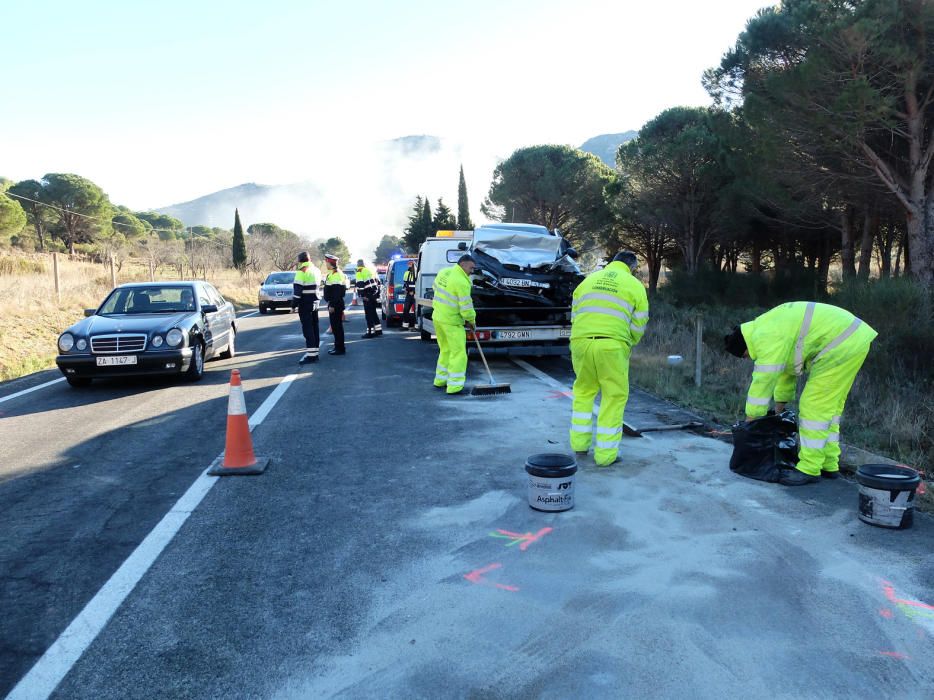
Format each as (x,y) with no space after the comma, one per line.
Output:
(601,366)
(452,356)
(822,401)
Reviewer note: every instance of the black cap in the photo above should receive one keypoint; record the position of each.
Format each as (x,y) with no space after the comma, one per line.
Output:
(627,257)
(303,257)
(734,342)
(466,257)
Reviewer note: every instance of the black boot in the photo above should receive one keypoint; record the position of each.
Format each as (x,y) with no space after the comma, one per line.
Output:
(368,334)
(334,351)
(793,477)
(835,474)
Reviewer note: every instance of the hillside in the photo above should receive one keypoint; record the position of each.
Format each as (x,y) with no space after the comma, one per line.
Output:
(605,145)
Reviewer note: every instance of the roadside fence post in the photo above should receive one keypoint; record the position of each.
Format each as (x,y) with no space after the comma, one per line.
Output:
(58,284)
(698,349)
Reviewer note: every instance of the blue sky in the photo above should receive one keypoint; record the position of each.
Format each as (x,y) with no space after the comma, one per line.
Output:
(163,102)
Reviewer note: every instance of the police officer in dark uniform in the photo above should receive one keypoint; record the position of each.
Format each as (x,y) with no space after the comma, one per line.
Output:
(408,285)
(335,287)
(305,299)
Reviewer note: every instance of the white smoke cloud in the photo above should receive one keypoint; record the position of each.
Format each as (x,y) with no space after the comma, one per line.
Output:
(364,192)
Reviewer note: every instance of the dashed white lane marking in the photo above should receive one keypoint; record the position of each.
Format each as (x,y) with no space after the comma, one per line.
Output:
(65,651)
(252,313)
(551,381)
(31,389)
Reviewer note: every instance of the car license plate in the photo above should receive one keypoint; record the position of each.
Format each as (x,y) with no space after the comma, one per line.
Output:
(513,335)
(116,360)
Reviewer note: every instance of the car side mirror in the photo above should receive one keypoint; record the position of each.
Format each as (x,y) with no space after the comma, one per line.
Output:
(573,254)
(89,312)
(462,245)
(208,309)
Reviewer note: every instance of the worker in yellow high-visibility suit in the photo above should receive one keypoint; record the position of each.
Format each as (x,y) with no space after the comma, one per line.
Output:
(608,317)
(452,307)
(825,341)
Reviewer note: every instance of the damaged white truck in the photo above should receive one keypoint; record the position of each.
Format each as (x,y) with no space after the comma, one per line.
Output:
(522,286)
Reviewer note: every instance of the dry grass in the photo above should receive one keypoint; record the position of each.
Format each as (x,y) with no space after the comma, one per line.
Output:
(31,318)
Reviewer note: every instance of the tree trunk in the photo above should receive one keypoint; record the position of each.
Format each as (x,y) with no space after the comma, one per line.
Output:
(823,265)
(870,226)
(756,262)
(847,255)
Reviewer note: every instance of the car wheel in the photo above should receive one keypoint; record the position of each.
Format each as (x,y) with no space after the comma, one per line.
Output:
(231,350)
(262,309)
(78,382)
(196,368)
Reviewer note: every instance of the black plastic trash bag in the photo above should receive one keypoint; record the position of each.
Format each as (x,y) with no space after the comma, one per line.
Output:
(763,448)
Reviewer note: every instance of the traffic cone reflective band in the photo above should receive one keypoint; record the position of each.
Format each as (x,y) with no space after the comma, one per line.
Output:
(239,458)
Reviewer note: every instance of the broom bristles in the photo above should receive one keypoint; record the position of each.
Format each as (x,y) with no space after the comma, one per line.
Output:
(490,389)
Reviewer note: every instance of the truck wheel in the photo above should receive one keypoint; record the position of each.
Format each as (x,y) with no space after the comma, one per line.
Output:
(425,335)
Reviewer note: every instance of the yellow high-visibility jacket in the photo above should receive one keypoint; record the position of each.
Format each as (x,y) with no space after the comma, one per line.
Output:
(452,302)
(610,303)
(794,338)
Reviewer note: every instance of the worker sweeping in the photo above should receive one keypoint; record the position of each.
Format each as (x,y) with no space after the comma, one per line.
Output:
(828,343)
(609,314)
(452,307)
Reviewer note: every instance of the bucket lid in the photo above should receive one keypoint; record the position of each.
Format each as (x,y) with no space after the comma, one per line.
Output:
(888,477)
(551,464)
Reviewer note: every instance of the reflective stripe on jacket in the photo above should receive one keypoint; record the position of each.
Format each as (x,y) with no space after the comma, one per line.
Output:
(452,302)
(305,284)
(794,338)
(367,283)
(335,287)
(610,303)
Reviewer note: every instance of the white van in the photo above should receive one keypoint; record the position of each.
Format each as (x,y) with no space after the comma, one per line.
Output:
(436,253)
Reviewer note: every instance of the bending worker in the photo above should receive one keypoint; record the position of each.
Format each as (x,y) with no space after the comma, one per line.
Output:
(827,342)
(452,308)
(408,285)
(368,290)
(335,287)
(305,299)
(608,317)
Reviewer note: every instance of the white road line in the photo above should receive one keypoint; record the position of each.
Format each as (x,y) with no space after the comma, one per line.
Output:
(32,389)
(551,381)
(65,651)
(252,313)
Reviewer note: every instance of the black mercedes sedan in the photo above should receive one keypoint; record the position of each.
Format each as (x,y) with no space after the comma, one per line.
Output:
(149,328)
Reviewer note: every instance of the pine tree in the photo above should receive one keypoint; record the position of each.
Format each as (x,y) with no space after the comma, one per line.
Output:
(412,235)
(463,210)
(239,243)
(443,219)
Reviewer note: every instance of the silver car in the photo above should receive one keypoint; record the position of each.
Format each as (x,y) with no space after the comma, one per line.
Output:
(276,291)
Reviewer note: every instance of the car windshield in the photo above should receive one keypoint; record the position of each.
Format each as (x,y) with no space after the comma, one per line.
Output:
(152,299)
(280,278)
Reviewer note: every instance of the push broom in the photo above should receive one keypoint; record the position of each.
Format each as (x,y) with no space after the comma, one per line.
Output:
(491,388)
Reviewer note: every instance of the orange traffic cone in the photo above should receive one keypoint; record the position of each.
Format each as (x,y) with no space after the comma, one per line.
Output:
(239,459)
(354,301)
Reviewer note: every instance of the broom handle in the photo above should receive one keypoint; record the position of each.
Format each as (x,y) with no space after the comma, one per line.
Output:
(474,329)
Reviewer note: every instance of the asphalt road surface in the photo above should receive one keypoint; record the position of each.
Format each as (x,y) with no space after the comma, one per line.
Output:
(389,550)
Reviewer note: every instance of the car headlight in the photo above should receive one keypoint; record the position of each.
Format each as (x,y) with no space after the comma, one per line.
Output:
(157,341)
(174,337)
(66,341)
(82,344)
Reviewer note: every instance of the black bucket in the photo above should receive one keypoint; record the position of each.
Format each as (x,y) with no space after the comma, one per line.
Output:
(887,494)
(551,481)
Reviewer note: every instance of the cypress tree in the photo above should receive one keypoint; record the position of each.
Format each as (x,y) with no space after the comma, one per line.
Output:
(463,210)
(239,243)
(426,225)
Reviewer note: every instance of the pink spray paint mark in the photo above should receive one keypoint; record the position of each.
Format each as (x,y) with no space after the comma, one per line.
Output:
(886,613)
(560,395)
(522,540)
(895,655)
(476,576)
(910,608)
